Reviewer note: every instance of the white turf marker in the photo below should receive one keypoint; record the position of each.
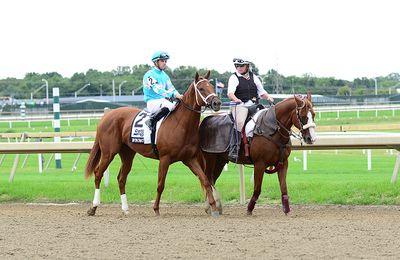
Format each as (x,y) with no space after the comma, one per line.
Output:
(304,160)
(56,122)
(396,168)
(369,159)
(40,162)
(242,184)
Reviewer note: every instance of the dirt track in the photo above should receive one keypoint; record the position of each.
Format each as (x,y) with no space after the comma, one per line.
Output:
(184,231)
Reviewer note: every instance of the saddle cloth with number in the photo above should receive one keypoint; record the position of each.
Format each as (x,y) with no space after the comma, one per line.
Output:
(140,133)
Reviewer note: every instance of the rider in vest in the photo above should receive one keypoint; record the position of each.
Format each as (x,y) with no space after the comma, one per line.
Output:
(157,87)
(244,88)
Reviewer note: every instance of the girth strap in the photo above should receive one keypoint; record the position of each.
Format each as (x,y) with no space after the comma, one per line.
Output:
(279,164)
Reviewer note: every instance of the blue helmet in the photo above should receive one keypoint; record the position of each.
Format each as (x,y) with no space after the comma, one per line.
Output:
(159,55)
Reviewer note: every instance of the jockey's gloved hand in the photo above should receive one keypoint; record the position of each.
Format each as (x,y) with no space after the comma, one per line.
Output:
(171,99)
(178,96)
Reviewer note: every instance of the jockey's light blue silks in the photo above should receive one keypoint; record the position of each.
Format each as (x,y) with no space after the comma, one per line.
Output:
(157,85)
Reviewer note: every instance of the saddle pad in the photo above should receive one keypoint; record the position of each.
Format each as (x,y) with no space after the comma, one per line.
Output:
(263,123)
(215,133)
(140,133)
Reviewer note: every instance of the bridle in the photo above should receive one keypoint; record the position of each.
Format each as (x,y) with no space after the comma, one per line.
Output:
(196,93)
(303,126)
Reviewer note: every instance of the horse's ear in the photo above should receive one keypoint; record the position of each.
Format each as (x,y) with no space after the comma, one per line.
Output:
(309,95)
(207,76)
(196,78)
(298,100)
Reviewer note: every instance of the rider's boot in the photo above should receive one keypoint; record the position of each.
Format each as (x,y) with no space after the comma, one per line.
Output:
(152,121)
(234,146)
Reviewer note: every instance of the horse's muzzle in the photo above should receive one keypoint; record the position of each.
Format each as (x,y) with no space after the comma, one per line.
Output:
(308,140)
(215,104)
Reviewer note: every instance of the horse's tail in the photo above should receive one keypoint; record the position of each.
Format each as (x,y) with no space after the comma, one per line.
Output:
(93,160)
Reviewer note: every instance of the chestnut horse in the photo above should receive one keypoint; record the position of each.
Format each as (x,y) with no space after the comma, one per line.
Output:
(177,140)
(271,152)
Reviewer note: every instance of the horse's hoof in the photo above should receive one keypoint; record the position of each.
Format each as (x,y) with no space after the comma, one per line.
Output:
(285,204)
(249,213)
(207,207)
(92,211)
(215,214)
(157,212)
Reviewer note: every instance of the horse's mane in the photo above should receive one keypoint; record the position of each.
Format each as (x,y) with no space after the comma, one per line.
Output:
(302,97)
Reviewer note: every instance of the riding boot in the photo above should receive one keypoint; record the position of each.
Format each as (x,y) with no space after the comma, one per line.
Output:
(234,146)
(151,123)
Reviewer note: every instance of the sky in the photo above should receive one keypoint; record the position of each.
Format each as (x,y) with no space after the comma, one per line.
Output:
(332,38)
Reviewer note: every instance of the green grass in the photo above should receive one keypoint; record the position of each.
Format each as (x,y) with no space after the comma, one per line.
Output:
(330,179)
(365,117)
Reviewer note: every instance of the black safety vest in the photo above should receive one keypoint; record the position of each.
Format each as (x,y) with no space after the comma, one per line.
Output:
(247,89)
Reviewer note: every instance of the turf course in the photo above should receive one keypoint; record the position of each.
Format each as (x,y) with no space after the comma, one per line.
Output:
(331,178)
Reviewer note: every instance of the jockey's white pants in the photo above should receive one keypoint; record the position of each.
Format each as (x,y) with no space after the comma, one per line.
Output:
(239,113)
(156,104)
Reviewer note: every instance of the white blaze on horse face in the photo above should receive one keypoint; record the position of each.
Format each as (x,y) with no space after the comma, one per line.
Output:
(311,127)
(124,202)
(96,200)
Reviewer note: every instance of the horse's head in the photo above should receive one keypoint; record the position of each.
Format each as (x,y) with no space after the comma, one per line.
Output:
(304,118)
(204,92)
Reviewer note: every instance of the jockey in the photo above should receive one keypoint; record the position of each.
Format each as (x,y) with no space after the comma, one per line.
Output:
(157,87)
(244,88)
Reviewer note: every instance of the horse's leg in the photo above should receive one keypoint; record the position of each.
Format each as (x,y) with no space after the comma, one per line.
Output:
(214,168)
(259,167)
(127,156)
(209,167)
(282,183)
(218,167)
(105,160)
(195,167)
(209,172)
(162,174)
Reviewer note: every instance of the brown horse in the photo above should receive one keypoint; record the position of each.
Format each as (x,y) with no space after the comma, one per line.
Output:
(178,140)
(270,152)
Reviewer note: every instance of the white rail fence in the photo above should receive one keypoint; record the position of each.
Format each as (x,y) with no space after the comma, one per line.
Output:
(393,110)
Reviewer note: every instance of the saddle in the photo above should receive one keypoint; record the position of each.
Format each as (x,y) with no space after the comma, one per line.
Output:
(216,131)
